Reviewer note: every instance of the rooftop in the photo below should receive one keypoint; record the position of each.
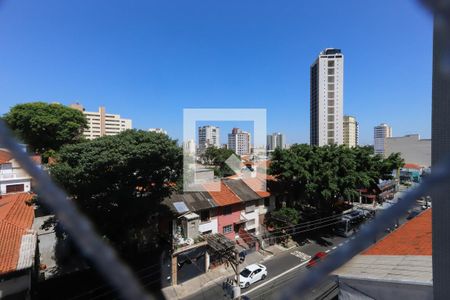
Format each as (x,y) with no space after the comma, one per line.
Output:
(241,189)
(225,196)
(16,219)
(5,156)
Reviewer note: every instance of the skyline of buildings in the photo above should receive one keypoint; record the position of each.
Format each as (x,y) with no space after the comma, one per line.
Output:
(276,140)
(158,130)
(351,131)
(101,123)
(327,98)
(380,133)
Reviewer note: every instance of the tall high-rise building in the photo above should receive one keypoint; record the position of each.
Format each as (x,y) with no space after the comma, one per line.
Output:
(208,136)
(239,141)
(276,140)
(327,98)
(351,131)
(380,132)
(100,123)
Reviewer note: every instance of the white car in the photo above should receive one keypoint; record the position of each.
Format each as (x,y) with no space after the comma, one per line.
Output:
(251,274)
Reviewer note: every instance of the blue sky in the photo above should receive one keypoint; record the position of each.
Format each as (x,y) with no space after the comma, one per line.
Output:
(147,60)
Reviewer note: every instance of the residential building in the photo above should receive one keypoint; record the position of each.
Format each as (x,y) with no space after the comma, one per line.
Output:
(13,179)
(276,140)
(351,131)
(158,130)
(189,146)
(239,141)
(380,133)
(208,136)
(18,246)
(327,98)
(411,147)
(398,266)
(101,123)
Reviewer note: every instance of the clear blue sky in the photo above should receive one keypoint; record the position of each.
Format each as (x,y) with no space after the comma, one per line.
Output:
(147,60)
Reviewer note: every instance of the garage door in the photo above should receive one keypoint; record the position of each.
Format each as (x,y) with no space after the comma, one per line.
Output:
(14,188)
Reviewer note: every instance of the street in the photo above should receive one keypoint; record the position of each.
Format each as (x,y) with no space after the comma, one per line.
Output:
(286,267)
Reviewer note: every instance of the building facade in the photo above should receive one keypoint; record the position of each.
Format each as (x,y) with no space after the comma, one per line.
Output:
(380,133)
(351,131)
(412,149)
(327,98)
(239,141)
(101,123)
(276,140)
(208,136)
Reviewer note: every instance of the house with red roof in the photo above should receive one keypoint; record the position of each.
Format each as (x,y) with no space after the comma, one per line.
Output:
(13,179)
(18,245)
(397,267)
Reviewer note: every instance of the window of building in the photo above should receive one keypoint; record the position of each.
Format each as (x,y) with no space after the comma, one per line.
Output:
(331,110)
(330,118)
(330,71)
(227,210)
(331,87)
(330,141)
(330,133)
(331,126)
(330,102)
(330,94)
(250,208)
(204,215)
(227,229)
(330,78)
(331,63)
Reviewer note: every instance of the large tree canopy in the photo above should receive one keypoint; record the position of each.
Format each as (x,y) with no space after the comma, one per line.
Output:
(119,181)
(216,157)
(323,175)
(46,126)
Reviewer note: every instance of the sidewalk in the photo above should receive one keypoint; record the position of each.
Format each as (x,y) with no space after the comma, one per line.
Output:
(218,275)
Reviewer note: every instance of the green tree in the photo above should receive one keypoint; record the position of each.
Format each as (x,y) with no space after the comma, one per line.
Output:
(119,182)
(46,127)
(216,157)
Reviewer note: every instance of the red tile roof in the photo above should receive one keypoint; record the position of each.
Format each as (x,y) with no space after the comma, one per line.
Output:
(257,185)
(16,219)
(224,197)
(412,166)
(413,238)
(5,156)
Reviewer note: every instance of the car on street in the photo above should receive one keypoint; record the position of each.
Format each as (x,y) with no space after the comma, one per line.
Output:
(319,256)
(251,274)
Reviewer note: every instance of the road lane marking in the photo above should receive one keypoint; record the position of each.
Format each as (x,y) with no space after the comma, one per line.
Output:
(276,277)
(327,251)
(340,244)
(334,248)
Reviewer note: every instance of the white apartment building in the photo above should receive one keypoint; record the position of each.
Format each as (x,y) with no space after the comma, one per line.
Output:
(380,133)
(208,136)
(276,140)
(327,98)
(158,130)
(100,123)
(239,141)
(14,179)
(351,131)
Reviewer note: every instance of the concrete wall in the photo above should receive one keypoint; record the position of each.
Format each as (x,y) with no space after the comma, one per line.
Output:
(412,149)
(15,285)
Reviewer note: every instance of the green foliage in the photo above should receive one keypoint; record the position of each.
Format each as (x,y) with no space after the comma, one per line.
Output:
(45,127)
(324,175)
(119,181)
(284,216)
(216,157)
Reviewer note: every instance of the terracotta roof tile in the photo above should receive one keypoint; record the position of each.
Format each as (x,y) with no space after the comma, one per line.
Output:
(16,218)
(5,156)
(257,185)
(224,197)
(413,238)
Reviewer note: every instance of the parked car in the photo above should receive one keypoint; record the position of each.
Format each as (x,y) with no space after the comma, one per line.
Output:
(251,274)
(412,214)
(319,256)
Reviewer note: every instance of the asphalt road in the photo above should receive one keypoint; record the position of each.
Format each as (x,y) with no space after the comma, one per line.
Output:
(284,268)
